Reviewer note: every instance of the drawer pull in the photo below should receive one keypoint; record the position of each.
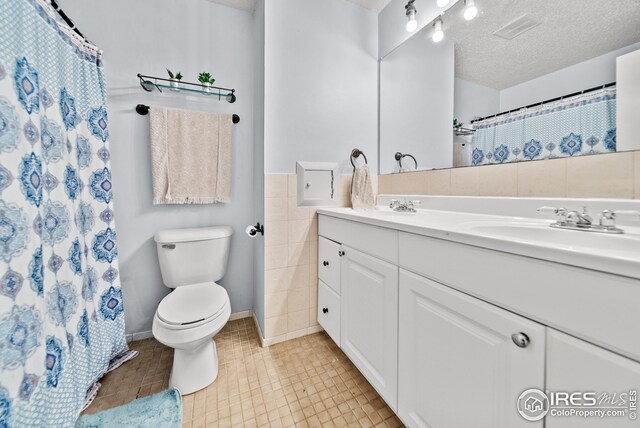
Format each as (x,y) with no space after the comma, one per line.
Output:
(341,253)
(325,263)
(521,340)
(325,310)
(169,246)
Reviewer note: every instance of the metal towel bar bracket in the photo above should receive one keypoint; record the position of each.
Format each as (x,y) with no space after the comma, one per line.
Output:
(355,153)
(399,156)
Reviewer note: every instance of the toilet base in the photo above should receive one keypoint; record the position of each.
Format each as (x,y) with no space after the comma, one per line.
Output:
(194,369)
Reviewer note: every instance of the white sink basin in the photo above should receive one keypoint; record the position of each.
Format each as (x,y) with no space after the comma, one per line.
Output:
(537,233)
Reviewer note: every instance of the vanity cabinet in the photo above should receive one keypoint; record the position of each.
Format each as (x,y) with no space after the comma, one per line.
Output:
(369,320)
(458,363)
(358,301)
(576,365)
(451,334)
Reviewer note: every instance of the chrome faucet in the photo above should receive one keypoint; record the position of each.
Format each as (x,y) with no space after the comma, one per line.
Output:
(404,206)
(574,220)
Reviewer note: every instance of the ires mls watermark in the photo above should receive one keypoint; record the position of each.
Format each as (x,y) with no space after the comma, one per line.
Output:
(534,404)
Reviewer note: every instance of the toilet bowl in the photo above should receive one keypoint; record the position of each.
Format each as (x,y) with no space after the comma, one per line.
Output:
(188,318)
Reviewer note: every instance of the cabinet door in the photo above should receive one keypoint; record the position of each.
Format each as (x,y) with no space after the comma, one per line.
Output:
(329,311)
(329,263)
(574,365)
(369,318)
(458,364)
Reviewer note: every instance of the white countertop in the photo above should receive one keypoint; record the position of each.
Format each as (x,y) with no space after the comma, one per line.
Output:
(615,254)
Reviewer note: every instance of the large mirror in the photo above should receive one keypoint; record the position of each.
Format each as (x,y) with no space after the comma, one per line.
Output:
(524,80)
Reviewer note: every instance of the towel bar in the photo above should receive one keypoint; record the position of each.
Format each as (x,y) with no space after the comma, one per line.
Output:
(355,153)
(144,110)
(399,156)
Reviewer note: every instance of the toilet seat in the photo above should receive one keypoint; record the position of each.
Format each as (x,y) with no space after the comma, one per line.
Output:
(190,306)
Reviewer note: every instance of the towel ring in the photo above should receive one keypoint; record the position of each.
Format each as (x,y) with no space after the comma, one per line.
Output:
(355,153)
(399,157)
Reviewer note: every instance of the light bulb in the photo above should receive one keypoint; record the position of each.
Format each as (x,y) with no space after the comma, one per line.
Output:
(438,34)
(471,11)
(443,3)
(412,24)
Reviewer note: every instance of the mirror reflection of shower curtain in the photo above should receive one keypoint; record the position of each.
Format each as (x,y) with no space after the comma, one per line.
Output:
(584,124)
(61,309)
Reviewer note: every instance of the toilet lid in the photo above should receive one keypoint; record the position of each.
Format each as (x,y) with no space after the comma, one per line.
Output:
(190,304)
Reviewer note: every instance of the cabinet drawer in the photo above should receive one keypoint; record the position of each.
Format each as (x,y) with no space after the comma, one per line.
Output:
(329,263)
(329,311)
(376,241)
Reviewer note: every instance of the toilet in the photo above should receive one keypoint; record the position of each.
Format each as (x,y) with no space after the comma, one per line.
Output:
(187,319)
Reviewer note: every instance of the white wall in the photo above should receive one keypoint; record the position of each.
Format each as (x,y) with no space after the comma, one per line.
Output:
(321,83)
(588,74)
(472,100)
(416,104)
(258,163)
(628,101)
(392,21)
(146,36)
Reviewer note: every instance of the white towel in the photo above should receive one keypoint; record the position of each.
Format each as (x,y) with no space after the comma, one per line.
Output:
(361,189)
(191,156)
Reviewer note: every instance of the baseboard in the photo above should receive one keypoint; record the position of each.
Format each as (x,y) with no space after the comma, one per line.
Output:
(260,335)
(240,315)
(141,335)
(289,336)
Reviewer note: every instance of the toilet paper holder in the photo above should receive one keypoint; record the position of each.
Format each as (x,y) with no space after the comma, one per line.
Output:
(253,230)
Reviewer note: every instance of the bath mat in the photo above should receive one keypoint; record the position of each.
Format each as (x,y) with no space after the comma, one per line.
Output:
(163,409)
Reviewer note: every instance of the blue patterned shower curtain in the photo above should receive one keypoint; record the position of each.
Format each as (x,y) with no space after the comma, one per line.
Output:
(580,125)
(61,311)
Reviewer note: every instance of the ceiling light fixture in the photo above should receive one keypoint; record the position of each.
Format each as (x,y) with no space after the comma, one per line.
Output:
(443,3)
(470,11)
(438,34)
(411,11)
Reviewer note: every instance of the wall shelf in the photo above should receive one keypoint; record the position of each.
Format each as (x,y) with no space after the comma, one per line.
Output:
(152,83)
(462,132)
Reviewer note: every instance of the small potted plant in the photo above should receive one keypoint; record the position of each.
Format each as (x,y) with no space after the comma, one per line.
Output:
(457,124)
(206,79)
(174,79)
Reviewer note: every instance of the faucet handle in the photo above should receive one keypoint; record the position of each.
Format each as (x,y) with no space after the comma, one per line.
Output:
(416,202)
(393,203)
(632,213)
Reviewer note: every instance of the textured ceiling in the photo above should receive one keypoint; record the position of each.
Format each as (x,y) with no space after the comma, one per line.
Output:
(570,32)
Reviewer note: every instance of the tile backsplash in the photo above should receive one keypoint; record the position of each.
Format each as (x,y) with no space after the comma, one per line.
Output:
(615,175)
(291,258)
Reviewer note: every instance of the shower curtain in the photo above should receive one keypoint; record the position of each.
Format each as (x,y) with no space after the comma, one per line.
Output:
(61,309)
(580,125)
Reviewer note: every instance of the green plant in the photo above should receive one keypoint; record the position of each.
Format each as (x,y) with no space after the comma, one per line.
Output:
(205,77)
(457,124)
(177,76)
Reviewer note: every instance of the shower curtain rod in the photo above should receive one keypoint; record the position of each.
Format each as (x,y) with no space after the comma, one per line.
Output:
(595,88)
(65,18)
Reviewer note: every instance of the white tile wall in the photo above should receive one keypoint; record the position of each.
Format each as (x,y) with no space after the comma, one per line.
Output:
(291,257)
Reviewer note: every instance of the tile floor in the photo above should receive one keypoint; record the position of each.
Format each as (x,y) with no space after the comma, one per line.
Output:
(305,382)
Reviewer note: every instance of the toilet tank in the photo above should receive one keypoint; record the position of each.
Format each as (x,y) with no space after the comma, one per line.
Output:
(192,256)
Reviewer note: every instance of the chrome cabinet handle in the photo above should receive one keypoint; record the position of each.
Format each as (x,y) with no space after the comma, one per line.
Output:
(169,246)
(520,339)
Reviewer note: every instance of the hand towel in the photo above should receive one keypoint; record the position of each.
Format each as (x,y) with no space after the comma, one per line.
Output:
(362,196)
(190,156)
